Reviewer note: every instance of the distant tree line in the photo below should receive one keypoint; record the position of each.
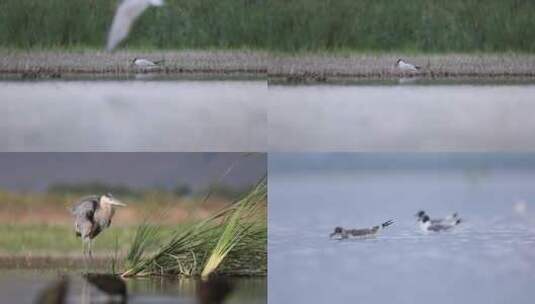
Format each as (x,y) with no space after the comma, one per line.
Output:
(180,190)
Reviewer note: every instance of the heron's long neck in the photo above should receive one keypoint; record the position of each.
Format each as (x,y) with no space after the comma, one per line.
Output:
(104,214)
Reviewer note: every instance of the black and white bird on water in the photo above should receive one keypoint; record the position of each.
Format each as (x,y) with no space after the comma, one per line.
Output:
(454,217)
(341,233)
(145,63)
(426,225)
(93,214)
(127,12)
(407,67)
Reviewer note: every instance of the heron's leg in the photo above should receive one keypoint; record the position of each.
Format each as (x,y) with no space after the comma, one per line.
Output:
(90,251)
(83,247)
(84,251)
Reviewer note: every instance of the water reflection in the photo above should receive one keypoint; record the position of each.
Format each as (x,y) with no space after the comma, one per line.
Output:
(50,287)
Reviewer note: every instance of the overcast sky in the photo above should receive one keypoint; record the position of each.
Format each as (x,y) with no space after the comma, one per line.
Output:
(37,171)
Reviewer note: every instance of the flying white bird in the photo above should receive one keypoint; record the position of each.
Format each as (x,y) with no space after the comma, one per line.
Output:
(407,67)
(127,12)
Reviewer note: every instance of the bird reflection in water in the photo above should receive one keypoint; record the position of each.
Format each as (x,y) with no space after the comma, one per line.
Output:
(112,289)
(54,293)
(214,290)
(113,286)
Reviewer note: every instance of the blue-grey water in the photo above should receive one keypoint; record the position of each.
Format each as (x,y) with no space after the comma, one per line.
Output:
(128,115)
(489,258)
(171,115)
(419,116)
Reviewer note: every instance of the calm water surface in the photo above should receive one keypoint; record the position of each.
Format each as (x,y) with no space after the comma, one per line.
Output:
(412,117)
(490,258)
(24,286)
(133,116)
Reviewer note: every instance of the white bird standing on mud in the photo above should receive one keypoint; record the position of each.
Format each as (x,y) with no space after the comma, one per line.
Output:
(406,67)
(93,214)
(145,63)
(127,12)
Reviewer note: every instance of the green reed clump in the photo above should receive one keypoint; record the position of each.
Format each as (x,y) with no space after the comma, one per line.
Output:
(234,241)
(282,25)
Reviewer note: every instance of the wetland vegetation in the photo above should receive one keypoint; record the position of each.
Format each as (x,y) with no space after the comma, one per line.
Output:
(184,234)
(296,25)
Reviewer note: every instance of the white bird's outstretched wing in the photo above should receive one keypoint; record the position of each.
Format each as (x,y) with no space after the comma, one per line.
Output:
(127,12)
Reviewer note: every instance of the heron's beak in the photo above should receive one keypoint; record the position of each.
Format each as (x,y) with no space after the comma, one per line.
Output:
(117,203)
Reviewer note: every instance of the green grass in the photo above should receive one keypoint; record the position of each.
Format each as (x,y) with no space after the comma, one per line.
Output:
(17,239)
(280,25)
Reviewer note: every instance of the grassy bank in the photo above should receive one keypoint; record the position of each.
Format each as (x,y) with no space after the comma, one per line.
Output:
(59,240)
(344,66)
(295,25)
(53,63)
(228,238)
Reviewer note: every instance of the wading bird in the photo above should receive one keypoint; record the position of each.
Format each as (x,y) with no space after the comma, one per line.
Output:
(92,214)
(127,12)
(341,233)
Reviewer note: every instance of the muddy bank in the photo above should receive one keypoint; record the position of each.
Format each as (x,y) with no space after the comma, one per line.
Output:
(55,64)
(283,68)
(336,68)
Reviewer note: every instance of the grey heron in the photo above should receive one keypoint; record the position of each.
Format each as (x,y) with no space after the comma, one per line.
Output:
(127,12)
(93,214)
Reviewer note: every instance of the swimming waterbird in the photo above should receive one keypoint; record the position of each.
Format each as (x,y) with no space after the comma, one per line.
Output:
(448,219)
(426,225)
(341,233)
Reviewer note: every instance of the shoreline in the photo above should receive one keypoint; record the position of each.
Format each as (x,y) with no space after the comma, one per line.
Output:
(347,67)
(74,262)
(277,68)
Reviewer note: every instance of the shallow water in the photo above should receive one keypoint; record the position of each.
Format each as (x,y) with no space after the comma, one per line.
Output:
(131,116)
(489,258)
(25,285)
(410,116)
